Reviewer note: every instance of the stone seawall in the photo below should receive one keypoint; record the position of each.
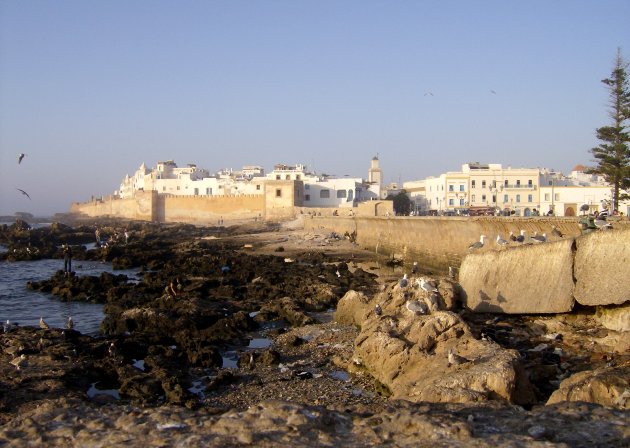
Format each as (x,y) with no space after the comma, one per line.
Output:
(435,242)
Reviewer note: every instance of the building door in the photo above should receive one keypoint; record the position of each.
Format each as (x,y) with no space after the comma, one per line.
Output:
(569,209)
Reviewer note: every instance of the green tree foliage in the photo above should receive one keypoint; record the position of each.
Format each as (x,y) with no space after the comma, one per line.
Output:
(402,203)
(612,155)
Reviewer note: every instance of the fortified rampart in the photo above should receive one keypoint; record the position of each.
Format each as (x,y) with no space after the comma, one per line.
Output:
(435,242)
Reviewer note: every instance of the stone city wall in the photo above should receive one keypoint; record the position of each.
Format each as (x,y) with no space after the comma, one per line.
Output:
(435,242)
(141,207)
(208,209)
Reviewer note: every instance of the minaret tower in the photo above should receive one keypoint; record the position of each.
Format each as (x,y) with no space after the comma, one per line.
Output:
(375,174)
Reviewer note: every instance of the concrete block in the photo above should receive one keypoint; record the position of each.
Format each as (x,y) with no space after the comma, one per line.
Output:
(520,280)
(602,267)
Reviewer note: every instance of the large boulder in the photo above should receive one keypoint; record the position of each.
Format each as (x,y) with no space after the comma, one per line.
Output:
(602,268)
(407,350)
(526,279)
(608,386)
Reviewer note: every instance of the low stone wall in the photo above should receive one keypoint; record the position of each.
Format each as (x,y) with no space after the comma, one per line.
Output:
(435,242)
(141,207)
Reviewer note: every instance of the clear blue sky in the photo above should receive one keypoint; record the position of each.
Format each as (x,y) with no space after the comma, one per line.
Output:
(91,89)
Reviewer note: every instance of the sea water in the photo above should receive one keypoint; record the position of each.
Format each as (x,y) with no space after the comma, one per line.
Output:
(24,306)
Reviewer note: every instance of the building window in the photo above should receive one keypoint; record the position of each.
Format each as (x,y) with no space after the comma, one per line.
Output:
(518,198)
(258,187)
(451,188)
(494,198)
(530,183)
(278,193)
(341,194)
(163,188)
(461,187)
(297,177)
(307,197)
(505,182)
(472,198)
(505,198)
(530,198)
(307,187)
(450,202)
(178,188)
(324,194)
(461,201)
(472,184)
(483,184)
(350,195)
(556,197)
(483,198)
(208,191)
(287,177)
(518,182)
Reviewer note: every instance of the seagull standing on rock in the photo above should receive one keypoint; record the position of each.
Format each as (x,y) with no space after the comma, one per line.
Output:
(426,285)
(416,307)
(378,310)
(455,359)
(404,281)
(478,244)
(43,325)
(539,238)
(69,323)
(19,362)
(501,242)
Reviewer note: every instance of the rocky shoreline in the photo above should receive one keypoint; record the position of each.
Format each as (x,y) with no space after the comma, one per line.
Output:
(158,375)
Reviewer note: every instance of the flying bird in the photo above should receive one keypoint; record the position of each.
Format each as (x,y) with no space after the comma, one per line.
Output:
(428,94)
(20,156)
(556,232)
(493,92)
(23,192)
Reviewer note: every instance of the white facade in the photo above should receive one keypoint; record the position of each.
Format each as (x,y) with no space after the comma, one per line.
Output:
(520,191)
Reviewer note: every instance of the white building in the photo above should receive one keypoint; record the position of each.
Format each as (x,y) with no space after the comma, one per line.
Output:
(319,190)
(519,191)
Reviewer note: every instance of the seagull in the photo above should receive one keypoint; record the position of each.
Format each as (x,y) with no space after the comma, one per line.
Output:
(520,238)
(539,238)
(426,285)
(493,92)
(403,281)
(455,359)
(8,326)
(20,156)
(112,350)
(428,94)
(416,307)
(378,310)
(23,192)
(43,325)
(478,244)
(414,269)
(20,361)
(452,272)
(501,242)
(601,224)
(338,273)
(556,232)
(69,323)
